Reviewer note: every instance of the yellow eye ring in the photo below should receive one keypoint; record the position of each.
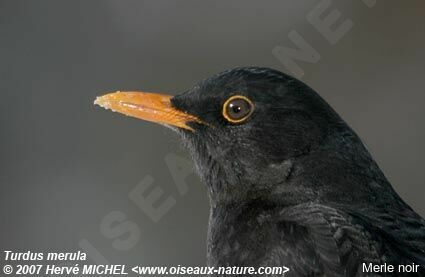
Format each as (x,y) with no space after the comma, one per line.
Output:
(237,109)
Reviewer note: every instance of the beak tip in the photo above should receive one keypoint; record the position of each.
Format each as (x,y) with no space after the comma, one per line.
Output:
(105,101)
(102,102)
(97,101)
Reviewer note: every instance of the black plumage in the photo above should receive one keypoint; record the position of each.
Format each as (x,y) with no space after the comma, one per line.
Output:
(293,185)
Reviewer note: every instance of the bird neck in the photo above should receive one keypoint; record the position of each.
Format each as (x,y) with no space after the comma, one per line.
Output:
(270,187)
(340,171)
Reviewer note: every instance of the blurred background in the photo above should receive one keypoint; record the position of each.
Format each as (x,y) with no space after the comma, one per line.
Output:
(67,167)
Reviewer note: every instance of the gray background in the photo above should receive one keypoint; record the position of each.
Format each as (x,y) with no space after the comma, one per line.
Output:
(66,164)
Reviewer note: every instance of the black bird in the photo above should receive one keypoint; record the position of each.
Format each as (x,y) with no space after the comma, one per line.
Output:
(290,184)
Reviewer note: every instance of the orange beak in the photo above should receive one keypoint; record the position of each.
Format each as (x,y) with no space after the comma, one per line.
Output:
(147,106)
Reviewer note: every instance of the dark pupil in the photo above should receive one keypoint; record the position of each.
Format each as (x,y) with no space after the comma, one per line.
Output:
(238,108)
(235,108)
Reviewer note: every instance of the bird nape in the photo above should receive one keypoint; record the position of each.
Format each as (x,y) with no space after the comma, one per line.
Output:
(290,184)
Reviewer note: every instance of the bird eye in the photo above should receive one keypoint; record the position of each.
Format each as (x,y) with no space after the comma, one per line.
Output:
(237,109)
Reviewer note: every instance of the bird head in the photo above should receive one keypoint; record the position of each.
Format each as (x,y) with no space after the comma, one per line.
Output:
(244,127)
